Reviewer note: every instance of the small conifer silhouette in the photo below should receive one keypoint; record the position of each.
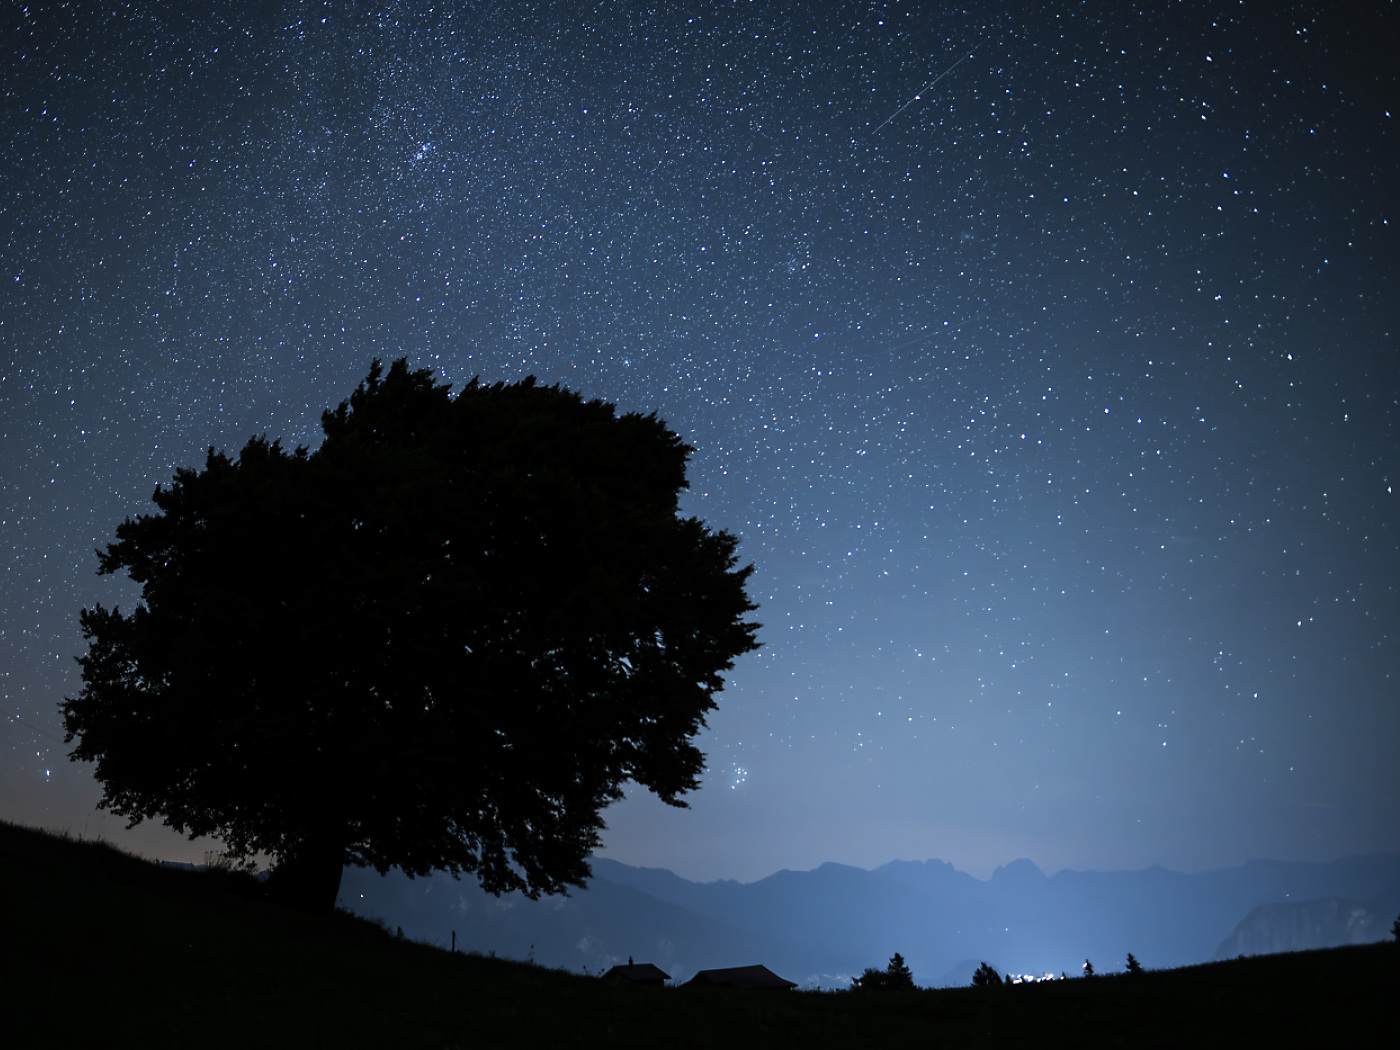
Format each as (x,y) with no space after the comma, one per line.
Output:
(897,974)
(986,977)
(1133,965)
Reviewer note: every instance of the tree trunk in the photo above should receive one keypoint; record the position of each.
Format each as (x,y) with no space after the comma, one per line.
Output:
(308,878)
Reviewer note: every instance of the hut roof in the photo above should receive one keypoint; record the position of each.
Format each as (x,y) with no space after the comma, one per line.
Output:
(638,973)
(740,977)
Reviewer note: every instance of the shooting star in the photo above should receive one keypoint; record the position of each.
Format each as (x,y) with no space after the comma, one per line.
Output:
(930,84)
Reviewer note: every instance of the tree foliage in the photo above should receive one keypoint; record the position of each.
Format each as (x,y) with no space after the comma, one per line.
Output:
(986,977)
(443,640)
(1133,965)
(894,977)
(897,974)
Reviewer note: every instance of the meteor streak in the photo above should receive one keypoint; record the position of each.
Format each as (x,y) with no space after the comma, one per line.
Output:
(930,84)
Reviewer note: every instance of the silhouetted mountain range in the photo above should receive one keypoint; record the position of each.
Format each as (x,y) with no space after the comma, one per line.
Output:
(824,926)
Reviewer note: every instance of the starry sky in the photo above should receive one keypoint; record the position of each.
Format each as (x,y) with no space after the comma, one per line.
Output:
(1044,357)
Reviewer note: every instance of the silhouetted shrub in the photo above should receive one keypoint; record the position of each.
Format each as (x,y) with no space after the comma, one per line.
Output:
(872,980)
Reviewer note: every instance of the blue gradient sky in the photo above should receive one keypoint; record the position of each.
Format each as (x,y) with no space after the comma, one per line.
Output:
(1056,404)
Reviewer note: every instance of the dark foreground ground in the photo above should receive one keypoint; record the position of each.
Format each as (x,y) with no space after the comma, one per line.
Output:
(101,949)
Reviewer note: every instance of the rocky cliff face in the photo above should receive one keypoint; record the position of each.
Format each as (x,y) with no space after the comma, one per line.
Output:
(1296,926)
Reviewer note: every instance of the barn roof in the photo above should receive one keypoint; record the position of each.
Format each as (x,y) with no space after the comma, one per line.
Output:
(757,976)
(639,973)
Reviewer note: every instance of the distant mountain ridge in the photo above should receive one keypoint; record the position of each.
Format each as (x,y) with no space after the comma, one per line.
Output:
(1304,925)
(822,927)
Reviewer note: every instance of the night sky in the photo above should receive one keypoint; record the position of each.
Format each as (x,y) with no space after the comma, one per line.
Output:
(1057,402)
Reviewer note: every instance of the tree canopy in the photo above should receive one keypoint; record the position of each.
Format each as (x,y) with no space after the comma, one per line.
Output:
(895,977)
(444,640)
(986,977)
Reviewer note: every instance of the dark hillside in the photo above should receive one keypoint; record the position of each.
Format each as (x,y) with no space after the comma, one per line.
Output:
(104,949)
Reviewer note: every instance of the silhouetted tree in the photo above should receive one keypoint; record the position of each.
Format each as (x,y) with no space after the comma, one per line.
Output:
(872,980)
(894,977)
(986,977)
(897,975)
(1395,928)
(1088,968)
(443,640)
(1133,965)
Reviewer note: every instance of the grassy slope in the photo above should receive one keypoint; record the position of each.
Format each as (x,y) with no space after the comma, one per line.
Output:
(98,948)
